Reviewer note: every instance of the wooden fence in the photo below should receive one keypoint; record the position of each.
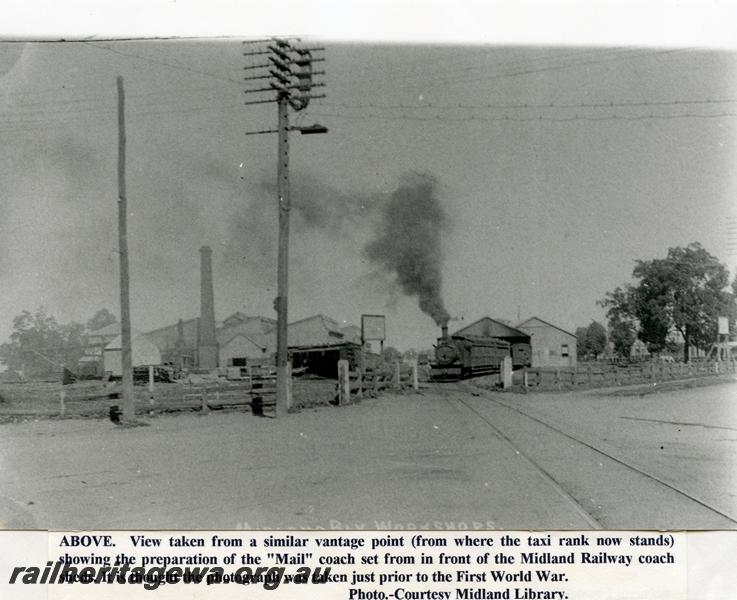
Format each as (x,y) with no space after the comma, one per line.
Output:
(372,381)
(255,393)
(204,395)
(615,375)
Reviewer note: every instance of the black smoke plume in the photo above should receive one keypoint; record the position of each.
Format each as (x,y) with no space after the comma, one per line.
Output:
(408,243)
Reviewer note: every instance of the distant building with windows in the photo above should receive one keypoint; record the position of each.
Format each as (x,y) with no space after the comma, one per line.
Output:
(551,345)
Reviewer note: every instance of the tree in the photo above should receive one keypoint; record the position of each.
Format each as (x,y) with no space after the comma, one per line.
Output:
(591,340)
(623,334)
(39,346)
(684,292)
(102,318)
(390,354)
(581,342)
(622,324)
(595,339)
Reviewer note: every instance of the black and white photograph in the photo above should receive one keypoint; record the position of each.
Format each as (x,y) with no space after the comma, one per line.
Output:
(321,282)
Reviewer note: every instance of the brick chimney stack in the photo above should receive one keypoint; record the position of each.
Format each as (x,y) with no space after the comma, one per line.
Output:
(208,346)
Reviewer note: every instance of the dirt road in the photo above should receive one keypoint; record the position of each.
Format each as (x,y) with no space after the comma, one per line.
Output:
(450,457)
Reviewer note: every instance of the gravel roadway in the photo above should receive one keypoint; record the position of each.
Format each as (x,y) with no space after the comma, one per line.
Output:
(428,461)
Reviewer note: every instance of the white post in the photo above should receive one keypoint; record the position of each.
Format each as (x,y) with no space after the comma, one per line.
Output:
(344,383)
(151,379)
(507,372)
(397,376)
(63,407)
(415,379)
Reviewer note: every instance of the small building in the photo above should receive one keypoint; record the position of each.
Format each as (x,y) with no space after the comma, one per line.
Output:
(245,340)
(317,343)
(639,350)
(317,330)
(240,350)
(551,345)
(143,353)
(323,360)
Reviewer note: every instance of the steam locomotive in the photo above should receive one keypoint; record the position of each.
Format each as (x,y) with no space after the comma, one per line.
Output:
(463,356)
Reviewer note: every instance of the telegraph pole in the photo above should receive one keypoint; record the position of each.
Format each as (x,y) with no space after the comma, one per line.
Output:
(282,268)
(290,75)
(129,409)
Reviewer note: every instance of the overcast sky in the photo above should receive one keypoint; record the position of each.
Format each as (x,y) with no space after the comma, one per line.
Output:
(557,166)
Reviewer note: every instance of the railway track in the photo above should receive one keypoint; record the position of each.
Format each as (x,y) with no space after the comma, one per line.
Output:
(607,491)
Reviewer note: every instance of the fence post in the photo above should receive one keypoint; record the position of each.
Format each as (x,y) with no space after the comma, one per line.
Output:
(151,379)
(506,372)
(205,407)
(344,383)
(359,392)
(525,383)
(397,376)
(290,399)
(415,378)
(63,406)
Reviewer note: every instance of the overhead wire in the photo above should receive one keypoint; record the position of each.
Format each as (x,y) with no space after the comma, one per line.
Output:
(430,82)
(528,105)
(72,111)
(539,118)
(405,75)
(164,63)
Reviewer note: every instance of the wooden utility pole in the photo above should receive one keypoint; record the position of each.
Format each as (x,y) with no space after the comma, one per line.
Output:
(129,409)
(290,75)
(282,268)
